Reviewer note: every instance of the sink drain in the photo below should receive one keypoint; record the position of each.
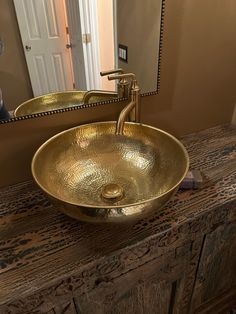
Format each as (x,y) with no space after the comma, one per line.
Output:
(112,191)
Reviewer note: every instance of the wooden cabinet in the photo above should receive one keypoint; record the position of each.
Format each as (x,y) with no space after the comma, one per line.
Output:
(196,277)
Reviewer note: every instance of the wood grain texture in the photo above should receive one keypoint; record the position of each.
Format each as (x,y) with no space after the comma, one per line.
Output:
(224,303)
(186,282)
(150,288)
(217,268)
(48,259)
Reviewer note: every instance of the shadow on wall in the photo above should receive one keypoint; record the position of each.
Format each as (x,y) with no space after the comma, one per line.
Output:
(9,94)
(169,60)
(172,31)
(14,78)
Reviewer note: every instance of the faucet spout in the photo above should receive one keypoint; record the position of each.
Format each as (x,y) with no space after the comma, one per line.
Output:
(98,95)
(122,117)
(133,107)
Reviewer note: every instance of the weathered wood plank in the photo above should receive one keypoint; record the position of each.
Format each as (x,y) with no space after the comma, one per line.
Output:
(186,283)
(224,303)
(150,288)
(217,268)
(67,308)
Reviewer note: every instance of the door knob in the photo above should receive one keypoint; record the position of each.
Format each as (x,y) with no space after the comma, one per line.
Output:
(28,48)
(68,46)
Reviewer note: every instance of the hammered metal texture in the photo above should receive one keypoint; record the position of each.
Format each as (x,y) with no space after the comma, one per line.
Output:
(55,101)
(74,166)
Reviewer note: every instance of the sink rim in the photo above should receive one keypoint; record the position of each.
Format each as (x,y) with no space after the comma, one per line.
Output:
(25,103)
(111,206)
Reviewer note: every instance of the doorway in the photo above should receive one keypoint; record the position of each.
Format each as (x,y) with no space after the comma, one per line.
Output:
(62,46)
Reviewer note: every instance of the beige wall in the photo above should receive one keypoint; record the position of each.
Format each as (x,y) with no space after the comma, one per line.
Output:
(138,28)
(198,67)
(198,75)
(14,79)
(106,40)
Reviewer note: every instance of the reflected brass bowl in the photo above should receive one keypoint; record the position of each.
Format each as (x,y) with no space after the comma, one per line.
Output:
(94,175)
(56,101)
(50,102)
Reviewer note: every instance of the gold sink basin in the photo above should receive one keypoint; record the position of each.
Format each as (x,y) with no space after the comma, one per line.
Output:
(94,175)
(54,101)
(50,102)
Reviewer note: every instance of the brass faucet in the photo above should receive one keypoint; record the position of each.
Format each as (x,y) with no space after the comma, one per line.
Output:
(123,84)
(133,107)
(122,89)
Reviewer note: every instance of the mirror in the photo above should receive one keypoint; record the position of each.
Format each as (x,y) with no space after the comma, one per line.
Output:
(66,52)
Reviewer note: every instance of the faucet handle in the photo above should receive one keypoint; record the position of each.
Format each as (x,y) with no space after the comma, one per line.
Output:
(125,77)
(104,73)
(122,76)
(123,86)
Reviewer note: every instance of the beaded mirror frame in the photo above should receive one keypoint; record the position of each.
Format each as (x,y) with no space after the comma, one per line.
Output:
(85,106)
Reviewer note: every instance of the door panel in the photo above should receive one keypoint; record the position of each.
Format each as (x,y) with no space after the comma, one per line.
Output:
(33,27)
(58,71)
(51,19)
(41,73)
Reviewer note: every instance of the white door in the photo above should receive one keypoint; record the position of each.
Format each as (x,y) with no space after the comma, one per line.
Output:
(42,25)
(77,45)
(84,37)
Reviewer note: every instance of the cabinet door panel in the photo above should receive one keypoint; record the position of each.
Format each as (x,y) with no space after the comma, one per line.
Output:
(216,274)
(161,286)
(141,291)
(146,297)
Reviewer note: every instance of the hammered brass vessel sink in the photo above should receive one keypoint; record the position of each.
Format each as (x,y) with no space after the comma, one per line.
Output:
(54,101)
(50,102)
(92,174)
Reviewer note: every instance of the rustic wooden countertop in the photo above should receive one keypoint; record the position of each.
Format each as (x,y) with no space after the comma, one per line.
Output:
(47,256)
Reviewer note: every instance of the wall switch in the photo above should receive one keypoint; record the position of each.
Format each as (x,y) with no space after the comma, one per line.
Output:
(123,53)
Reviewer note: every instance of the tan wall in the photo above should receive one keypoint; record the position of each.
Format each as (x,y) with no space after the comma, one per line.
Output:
(198,75)
(138,28)
(106,40)
(14,78)
(198,67)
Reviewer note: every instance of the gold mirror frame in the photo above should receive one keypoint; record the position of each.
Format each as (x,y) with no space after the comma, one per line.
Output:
(85,106)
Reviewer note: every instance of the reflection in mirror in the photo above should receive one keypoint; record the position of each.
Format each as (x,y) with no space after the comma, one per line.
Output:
(138,38)
(67,43)
(61,100)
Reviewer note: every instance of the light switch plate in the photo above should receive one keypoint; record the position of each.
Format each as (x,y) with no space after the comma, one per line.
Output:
(123,53)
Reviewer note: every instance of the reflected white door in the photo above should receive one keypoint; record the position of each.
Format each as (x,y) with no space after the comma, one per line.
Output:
(42,25)
(83,30)
(76,40)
